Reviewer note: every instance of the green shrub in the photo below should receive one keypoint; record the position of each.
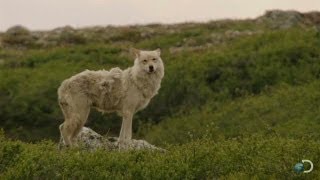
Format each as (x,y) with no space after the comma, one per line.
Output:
(18,36)
(284,110)
(70,36)
(252,156)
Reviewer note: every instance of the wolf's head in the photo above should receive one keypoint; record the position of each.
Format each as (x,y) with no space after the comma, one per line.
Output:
(148,62)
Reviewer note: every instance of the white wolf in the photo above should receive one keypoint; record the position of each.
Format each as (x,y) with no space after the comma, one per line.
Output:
(124,92)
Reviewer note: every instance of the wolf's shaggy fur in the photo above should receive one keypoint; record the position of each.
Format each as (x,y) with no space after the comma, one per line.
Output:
(124,92)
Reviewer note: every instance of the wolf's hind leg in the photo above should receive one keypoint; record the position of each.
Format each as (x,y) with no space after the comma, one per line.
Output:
(66,131)
(76,112)
(79,122)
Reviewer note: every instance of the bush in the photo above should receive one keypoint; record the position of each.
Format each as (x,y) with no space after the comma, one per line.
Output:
(18,36)
(70,36)
(286,111)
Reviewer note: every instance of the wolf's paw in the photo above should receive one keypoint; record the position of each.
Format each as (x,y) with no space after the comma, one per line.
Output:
(124,145)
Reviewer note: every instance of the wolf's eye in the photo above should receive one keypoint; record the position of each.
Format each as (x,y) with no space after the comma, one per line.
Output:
(145,61)
(154,59)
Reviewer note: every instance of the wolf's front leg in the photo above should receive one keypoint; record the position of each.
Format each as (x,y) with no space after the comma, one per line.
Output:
(126,130)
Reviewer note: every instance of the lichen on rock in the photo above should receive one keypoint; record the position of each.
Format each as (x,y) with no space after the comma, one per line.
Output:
(91,140)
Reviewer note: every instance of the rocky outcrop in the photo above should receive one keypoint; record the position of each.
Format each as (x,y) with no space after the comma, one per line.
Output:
(279,19)
(312,17)
(90,140)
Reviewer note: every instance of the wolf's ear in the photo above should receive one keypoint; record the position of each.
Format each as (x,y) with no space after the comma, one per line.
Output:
(158,51)
(135,51)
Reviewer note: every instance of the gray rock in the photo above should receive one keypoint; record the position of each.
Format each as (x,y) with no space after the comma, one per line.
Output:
(279,19)
(231,34)
(90,140)
(312,17)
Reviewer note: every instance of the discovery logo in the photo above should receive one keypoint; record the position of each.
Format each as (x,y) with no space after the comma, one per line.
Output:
(299,167)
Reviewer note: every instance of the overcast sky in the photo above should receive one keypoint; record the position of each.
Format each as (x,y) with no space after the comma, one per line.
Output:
(48,14)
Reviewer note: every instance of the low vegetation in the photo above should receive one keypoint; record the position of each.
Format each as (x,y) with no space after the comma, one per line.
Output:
(240,158)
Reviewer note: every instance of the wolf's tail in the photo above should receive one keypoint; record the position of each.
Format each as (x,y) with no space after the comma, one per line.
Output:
(61,142)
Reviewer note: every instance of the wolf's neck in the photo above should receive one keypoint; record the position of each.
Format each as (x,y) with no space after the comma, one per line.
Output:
(148,84)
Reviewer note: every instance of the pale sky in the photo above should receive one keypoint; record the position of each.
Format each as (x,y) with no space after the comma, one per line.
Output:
(49,14)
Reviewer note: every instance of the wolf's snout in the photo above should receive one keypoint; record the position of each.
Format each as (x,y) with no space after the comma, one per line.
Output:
(151,68)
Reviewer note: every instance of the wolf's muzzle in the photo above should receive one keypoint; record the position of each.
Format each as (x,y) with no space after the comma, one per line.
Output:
(151,68)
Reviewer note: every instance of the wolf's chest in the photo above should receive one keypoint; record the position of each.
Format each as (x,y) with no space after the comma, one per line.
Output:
(144,94)
(142,103)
